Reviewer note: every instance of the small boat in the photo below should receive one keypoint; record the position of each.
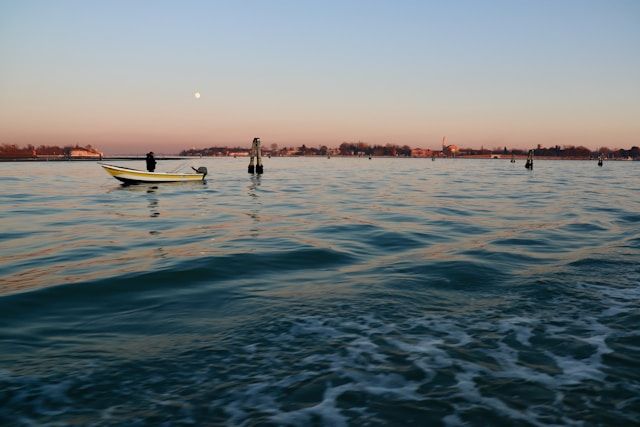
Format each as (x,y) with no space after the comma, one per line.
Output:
(135,176)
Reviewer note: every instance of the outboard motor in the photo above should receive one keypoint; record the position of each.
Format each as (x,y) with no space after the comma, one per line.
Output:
(201,170)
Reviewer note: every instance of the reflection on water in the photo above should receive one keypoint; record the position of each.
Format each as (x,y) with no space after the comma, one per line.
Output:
(255,183)
(153,201)
(255,205)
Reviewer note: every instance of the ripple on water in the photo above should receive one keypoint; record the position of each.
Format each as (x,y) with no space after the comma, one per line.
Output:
(406,292)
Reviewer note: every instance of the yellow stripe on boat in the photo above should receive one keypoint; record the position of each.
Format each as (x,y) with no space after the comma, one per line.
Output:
(133,175)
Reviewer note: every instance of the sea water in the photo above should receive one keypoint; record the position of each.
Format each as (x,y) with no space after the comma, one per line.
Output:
(342,291)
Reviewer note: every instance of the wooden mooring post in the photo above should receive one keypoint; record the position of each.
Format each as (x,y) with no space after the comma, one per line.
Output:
(256,153)
(529,164)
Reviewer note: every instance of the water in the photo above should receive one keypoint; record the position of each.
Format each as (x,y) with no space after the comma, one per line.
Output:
(325,292)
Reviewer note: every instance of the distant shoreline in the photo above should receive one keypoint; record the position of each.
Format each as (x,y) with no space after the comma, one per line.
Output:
(140,158)
(89,159)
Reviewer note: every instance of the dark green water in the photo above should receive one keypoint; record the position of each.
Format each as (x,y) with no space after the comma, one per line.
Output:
(326,292)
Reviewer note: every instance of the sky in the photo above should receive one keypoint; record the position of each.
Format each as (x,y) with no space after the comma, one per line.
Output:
(121,75)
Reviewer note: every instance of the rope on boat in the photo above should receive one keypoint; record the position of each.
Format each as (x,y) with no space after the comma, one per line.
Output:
(180,166)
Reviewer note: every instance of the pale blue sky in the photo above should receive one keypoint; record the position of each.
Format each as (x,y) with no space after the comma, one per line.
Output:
(121,74)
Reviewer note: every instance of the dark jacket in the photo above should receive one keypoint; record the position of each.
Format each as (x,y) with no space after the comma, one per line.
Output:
(151,162)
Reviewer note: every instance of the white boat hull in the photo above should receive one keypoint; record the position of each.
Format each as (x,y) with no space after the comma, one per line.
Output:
(135,176)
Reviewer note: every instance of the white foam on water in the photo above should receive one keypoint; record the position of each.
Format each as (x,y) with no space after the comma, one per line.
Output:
(327,410)
(470,392)
(429,353)
(507,358)
(453,420)
(369,356)
(253,396)
(426,354)
(521,326)
(615,311)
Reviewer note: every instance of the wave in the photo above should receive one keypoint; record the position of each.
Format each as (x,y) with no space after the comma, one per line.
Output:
(180,276)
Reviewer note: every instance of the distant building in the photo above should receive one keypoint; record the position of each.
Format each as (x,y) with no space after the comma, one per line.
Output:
(84,152)
(451,150)
(421,152)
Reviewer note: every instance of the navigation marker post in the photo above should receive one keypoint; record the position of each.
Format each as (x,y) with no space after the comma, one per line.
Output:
(255,153)
(529,164)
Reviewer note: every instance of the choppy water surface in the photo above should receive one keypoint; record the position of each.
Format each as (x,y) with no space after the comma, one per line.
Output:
(328,292)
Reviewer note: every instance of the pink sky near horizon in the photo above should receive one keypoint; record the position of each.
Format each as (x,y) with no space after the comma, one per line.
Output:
(121,76)
(182,122)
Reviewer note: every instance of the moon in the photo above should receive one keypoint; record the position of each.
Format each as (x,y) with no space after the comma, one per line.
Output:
(196,95)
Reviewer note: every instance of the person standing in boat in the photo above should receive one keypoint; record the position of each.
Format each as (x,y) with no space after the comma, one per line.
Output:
(151,162)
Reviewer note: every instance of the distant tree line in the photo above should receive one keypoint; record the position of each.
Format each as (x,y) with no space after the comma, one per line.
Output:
(213,151)
(566,151)
(485,151)
(363,149)
(584,152)
(345,149)
(12,151)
